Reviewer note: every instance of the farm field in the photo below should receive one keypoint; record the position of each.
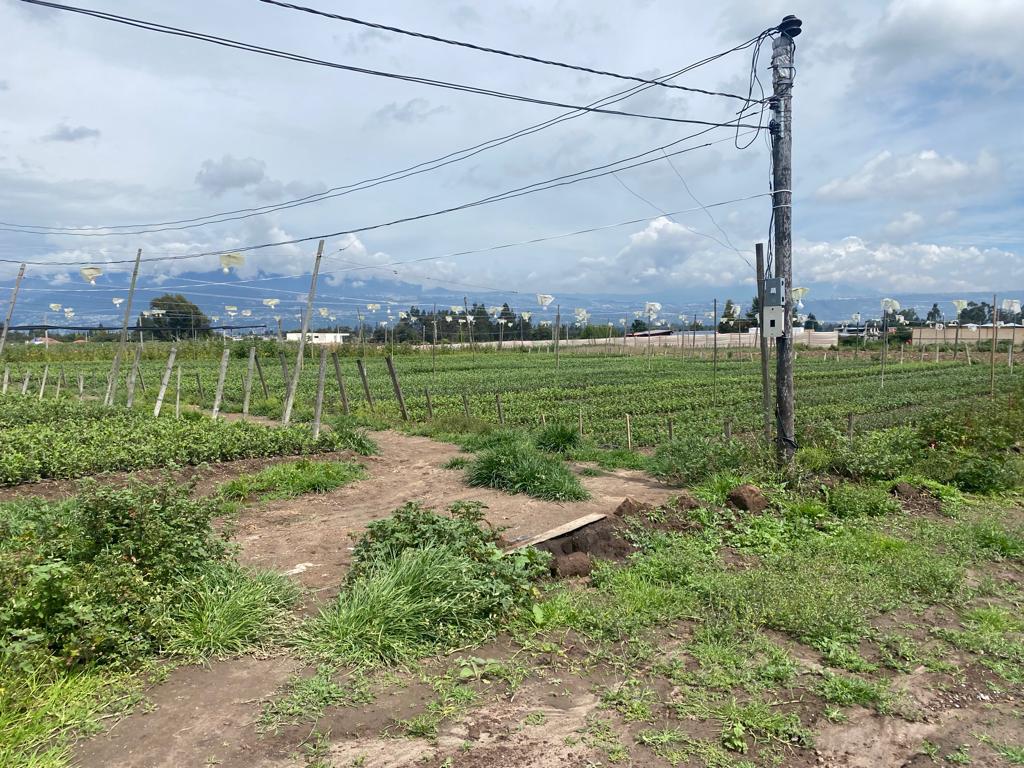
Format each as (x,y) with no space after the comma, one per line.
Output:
(183,591)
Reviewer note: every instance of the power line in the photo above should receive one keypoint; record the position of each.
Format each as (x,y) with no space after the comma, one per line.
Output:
(558,181)
(498,51)
(422,167)
(386,266)
(239,45)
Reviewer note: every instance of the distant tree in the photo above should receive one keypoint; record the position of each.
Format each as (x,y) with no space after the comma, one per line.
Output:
(724,324)
(179,318)
(934,314)
(811,323)
(753,315)
(638,326)
(976,313)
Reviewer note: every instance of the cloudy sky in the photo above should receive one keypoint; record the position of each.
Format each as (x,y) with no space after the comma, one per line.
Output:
(907,154)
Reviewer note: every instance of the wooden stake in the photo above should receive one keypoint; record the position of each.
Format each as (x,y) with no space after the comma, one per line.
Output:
(501,412)
(397,386)
(108,398)
(290,399)
(341,384)
(221,376)
(133,374)
(714,375)
(81,386)
(199,389)
(7,377)
(629,433)
(42,385)
(581,421)
(669,424)
(366,384)
(263,379)
(24,384)
(321,378)
(465,405)
(247,382)
(10,309)
(849,425)
(995,331)
(177,396)
(164,382)
(728,428)
(430,403)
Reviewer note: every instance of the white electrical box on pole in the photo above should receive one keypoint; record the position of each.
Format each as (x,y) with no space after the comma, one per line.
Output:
(781,127)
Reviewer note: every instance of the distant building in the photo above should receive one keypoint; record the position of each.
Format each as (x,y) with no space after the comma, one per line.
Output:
(319,337)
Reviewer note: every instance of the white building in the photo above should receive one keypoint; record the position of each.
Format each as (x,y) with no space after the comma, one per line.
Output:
(319,337)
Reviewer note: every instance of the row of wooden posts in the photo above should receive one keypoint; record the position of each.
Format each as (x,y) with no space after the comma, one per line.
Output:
(254,369)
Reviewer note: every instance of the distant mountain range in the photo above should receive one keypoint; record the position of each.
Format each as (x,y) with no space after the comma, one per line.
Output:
(829,303)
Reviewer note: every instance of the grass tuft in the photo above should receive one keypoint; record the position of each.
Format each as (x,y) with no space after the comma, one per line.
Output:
(226,611)
(291,479)
(517,467)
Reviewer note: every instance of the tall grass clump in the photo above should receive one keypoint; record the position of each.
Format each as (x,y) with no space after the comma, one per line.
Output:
(517,467)
(421,582)
(558,438)
(226,610)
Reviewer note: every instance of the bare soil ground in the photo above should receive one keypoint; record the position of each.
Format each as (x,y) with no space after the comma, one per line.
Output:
(210,715)
(312,537)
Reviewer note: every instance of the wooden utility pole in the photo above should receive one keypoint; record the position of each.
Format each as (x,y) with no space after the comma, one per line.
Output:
(781,126)
(558,330)
(766,393)
(115,368)
(10,308)
(290,399)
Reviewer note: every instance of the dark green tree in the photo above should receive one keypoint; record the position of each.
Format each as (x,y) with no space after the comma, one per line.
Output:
(175,317)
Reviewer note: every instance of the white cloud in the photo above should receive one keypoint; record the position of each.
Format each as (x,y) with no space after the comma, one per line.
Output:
(911,267)
(905,224)
(922,173)
(216,177)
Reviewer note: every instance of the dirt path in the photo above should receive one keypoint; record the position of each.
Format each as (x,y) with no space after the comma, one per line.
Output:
(311,537)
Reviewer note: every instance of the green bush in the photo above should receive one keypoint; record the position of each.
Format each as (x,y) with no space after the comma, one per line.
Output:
(852,500)
(558,438)
(692,458)
(881,454)
(517,467)
(81,579)
(813,458)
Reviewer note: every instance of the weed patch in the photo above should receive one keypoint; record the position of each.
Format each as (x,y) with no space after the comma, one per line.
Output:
(516,467)
(291,479)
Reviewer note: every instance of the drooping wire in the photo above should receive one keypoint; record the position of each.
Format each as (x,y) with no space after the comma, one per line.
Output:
(558,181)
(497,51)
(422,167)
(286,55)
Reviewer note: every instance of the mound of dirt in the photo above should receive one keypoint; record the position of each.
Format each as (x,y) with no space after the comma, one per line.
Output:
(917,501)
(748,498)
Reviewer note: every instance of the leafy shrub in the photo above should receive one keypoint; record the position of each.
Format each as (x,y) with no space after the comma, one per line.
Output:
(691,458)
(881,454)
(851,500)
(421,580)
(557,438)
(80,579)
(517,467)
(813,458)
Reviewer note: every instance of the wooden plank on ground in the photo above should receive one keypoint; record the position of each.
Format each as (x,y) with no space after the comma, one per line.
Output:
(561,530)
